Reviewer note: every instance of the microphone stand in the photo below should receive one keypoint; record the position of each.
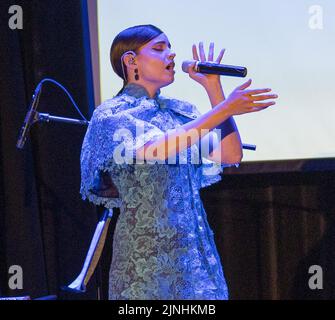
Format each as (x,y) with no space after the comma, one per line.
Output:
(46,117)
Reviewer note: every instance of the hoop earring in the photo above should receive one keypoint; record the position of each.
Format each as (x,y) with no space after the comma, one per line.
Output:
(137,77)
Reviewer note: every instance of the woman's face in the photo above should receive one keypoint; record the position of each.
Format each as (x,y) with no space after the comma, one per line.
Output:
(155,62)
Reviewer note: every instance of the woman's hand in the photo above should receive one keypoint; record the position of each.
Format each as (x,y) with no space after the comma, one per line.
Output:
(242,101)
(205,80)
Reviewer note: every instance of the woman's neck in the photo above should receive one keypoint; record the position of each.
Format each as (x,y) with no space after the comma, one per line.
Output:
(150,88)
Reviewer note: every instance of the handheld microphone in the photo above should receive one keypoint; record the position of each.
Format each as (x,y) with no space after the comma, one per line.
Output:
(215,68)
(29,120)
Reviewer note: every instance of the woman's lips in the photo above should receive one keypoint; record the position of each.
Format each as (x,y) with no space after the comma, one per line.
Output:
(170,66)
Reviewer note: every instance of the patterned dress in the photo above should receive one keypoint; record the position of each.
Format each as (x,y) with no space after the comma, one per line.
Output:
(163,247)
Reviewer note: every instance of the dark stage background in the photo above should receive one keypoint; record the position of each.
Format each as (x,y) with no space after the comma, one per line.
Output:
(269,228)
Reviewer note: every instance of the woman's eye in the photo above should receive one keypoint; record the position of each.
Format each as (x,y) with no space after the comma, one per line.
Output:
(158,49)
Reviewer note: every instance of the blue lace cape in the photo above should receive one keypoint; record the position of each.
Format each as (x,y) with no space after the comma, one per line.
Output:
(131,110)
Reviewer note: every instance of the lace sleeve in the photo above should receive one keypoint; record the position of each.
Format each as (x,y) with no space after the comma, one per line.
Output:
(109,145)
(208,172)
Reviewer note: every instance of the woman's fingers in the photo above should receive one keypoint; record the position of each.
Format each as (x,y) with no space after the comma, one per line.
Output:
(244,85)
(190,69)
(195,52)
(219,58)
(245,101)
(202,52)
(264,97)
(256,91)
(211,52)
(262,105)
(202,57)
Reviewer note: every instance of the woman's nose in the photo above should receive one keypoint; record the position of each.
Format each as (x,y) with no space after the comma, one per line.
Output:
(172,55)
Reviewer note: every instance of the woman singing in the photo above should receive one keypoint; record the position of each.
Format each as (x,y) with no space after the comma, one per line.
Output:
(149,155)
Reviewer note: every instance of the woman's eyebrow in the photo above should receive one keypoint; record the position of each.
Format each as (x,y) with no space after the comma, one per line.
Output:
(163,42)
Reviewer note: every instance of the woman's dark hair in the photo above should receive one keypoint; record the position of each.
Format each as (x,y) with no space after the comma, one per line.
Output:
(130,39)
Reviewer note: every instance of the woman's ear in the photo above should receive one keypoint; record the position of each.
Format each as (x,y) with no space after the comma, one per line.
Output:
(129,61)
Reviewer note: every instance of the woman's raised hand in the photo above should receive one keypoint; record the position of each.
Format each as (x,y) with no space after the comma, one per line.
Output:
(242,101)
(205,79)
